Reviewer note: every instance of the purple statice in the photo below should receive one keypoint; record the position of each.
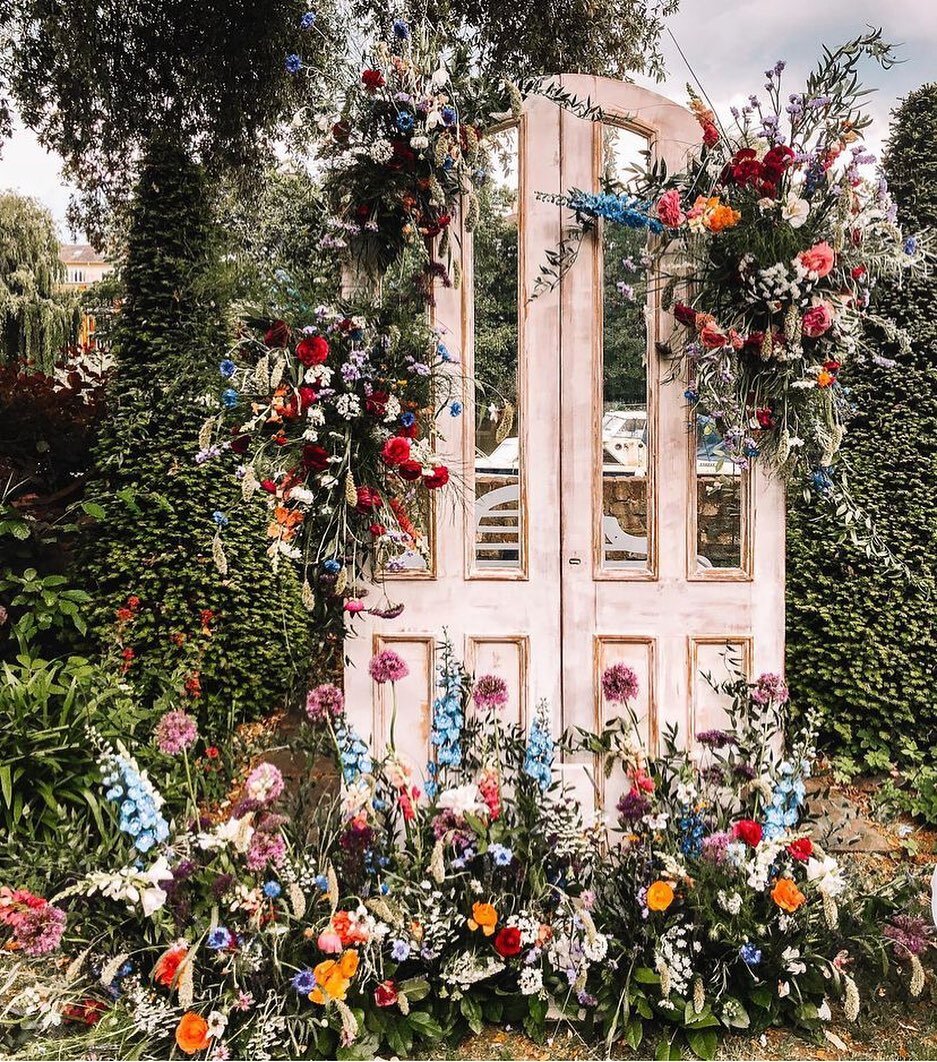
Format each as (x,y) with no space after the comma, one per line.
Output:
(490,691)
(39,930)
(909,934)
(713,848)
(324,702)
(264,784)
(715,739)
(632,807)
(770,687)
(266,849)
(175,732)
(387,666)
(619,684)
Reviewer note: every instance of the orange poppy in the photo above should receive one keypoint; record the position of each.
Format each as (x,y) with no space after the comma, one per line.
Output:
(659,896)
(484,917)
(787,896)
(333,977)
(722,217)
(192,1033)
(167,965)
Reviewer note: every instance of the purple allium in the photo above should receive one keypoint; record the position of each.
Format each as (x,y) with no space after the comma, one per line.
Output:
(715,739)
(266,849)
(175,732)
(490,691)
(769,687)
(714,847)
(40,929)
(909,934)
(264,784)
(387,666)
(324,702)
(619,683)
(634,805)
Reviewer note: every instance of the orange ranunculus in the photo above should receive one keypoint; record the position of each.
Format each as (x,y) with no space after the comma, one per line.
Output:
(721,217)
(333,977)
(787,896)
(192,1033)
(167,965)
(350,932)
(825,378)
(484,917)
(659,896)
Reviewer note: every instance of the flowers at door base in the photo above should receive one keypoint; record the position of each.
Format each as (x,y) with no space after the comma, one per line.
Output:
(619,684)
(387,666)
(538,756)
(769,688)
(817,320)
(818,259)
(192,1033)
(484,917)
(490,691)
(787,896)
(660,895)
(801,849)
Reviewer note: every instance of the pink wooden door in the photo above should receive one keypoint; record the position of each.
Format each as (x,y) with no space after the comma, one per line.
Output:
(594,523)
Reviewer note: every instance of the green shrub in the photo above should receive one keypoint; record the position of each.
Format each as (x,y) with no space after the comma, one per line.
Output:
(155,540)
(861,645)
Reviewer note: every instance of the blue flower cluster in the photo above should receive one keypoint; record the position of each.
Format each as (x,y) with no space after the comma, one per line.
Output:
(622,209)
(137,800)
(749,954)
(538,759)
(692,831)
(448,715)
(784,810)
(353,752)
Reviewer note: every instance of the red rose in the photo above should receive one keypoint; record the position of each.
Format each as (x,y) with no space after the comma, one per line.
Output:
(801,849)
(508,942)
(385,995)
(368,498)
(748,830)
(395,450)
(307,395)
(376,403)
(411,470)
(373,79)
(313,350)
(315,458)
(438,478)
(278,334)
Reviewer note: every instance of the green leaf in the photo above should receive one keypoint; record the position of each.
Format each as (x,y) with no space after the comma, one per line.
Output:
(703,1043)
(634,1033)
(472,1012)
(93,509)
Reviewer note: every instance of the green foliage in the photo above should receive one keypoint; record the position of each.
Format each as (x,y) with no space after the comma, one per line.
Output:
(36,319)
(154,541)
(44,603)
(861,647)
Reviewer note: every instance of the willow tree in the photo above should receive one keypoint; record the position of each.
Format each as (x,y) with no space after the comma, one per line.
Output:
(37,319)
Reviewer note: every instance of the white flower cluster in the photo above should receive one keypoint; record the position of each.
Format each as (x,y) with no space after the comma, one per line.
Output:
(673,954)
(468,969)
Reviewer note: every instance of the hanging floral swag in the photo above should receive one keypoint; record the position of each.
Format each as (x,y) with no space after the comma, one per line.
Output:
(767,251)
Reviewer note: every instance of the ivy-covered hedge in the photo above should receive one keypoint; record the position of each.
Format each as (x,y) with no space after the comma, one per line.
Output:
(862,645)
(154,540)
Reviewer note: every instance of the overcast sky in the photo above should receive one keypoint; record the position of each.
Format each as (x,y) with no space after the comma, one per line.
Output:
(729,43)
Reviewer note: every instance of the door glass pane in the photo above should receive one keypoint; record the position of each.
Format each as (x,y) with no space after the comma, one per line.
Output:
(720,493)
(498,411)
(626,428)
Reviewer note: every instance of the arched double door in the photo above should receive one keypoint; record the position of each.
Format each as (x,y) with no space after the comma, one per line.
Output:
(593,522)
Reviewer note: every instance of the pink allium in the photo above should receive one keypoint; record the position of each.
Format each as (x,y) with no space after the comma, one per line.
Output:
(40,929)
(714,848)
(266,849)
(770,687)
(387,666)
(668,209)
(490,691)
(175,732)
(264,784)
(323,702)
(619,684)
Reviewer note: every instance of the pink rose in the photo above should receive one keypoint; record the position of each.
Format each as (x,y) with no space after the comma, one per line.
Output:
(818,319)
(819,259)
(668,209)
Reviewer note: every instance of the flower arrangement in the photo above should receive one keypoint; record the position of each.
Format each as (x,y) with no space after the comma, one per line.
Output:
(332,424)
(414,911)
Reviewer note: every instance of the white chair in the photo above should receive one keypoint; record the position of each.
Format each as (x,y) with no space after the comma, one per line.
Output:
(497,544)
(617,540)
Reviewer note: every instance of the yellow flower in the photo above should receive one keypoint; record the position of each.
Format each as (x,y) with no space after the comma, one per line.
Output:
(659,896)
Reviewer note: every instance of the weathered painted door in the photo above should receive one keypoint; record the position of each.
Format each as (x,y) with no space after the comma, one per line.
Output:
(594,523)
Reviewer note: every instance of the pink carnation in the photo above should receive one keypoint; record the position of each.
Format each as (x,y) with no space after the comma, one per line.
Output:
(619,684)
(175,732)
(264,784)
(819,259)
(387,666)
(323,702)
(40,929)
(490,691)
(818,320)
(668,209)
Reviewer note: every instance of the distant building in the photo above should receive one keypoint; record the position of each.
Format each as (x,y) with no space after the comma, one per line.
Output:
(84,266)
